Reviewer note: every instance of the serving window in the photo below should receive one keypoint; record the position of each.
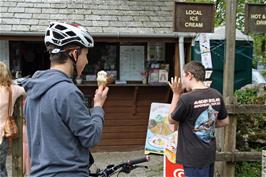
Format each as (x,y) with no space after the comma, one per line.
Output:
(103,56)
(131,62)
(127,62)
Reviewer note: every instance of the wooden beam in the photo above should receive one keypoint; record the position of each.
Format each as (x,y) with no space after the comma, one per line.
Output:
(245,109)
(177,61)
(229,61)
(22,38)
(238,156)
(17,147)
(230,145)
(228,81)
(96,39)
(263,163)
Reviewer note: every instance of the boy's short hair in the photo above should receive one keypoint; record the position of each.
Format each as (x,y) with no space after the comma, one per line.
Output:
(61,57)
(196,69)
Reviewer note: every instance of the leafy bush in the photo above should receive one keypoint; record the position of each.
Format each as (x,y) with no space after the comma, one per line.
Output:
(251,95)
(246,96)
(263,72)
(250,130)
(248,169)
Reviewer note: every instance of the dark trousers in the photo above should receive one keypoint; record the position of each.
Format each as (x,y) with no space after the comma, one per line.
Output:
(3,156)
(199,172)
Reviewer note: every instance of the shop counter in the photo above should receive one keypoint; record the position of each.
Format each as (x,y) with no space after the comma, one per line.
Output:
(126,113)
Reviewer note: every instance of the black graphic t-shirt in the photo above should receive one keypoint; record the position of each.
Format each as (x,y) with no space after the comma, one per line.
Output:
(197,112)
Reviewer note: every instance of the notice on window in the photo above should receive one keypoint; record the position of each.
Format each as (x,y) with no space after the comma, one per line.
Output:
(131,63)
(205,51)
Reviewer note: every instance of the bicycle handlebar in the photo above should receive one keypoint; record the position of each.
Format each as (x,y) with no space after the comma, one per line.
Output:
(125,167)
(139,160)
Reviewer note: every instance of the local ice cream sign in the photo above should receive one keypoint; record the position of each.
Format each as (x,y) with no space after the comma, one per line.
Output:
(194,17)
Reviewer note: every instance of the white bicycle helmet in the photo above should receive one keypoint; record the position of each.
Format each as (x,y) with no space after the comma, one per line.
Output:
(61,34)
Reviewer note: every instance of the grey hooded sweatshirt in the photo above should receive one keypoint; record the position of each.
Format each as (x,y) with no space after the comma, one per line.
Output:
(60,127)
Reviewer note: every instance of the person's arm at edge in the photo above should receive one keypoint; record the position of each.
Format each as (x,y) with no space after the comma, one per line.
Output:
(176,87)
(222,123)
(172,108)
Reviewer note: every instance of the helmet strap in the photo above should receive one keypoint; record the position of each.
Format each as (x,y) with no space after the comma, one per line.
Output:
(75,72)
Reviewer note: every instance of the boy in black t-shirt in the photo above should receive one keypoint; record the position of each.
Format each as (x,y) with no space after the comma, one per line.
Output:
(198,112)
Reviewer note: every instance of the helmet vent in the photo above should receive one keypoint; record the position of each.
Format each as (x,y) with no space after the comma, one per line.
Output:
(57,35)
(71,33)
(48,33)
(55,41)
(89,40)
(70,39)
(60,27)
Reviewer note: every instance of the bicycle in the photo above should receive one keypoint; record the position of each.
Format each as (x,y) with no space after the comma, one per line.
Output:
(125,167)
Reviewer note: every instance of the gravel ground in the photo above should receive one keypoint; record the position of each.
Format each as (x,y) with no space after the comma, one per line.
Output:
(155,165)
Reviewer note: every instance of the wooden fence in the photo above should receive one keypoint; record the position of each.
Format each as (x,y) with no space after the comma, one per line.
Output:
(228,155)
(17,146)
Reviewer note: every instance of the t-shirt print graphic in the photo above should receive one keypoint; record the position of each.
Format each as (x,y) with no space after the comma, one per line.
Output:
(205,124)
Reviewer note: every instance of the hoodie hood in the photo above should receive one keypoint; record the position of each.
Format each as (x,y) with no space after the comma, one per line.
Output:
(42,81)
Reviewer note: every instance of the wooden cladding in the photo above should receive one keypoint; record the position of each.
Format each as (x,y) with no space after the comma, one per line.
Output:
(126,115)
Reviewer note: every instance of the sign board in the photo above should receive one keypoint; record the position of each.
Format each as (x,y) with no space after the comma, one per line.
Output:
(194,17)
(171,168)
(208,74)
(255,18)
(158,128)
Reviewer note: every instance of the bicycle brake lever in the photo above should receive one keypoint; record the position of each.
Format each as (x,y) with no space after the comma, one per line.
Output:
(140,166)
(129,168)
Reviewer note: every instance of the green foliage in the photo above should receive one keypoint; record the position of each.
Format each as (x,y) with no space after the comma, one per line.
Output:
(249,96)
(206,1)
(259,44)
(248,169)
(259,40)
(251,130)
(263,72)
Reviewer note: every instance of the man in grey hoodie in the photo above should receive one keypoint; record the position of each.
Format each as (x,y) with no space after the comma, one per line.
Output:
(60,127)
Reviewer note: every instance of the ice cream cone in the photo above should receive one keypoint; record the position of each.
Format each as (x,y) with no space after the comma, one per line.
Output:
(102,83)
(102,78)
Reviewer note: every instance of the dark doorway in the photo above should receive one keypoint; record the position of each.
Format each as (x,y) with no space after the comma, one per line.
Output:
(26,57)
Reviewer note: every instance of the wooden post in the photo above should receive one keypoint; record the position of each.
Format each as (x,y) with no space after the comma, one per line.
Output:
(228,81)
(17,146)
(229,61)
(219,166)
(229,146)
(263,163)
(177,61)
